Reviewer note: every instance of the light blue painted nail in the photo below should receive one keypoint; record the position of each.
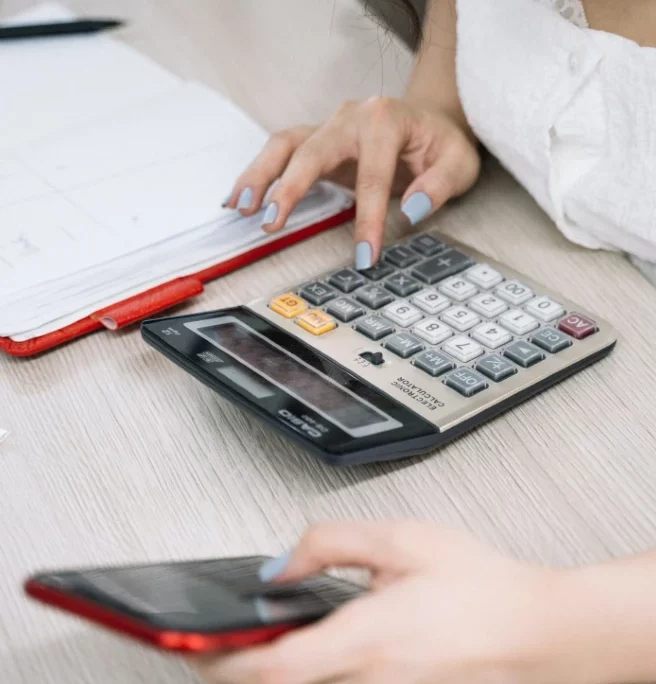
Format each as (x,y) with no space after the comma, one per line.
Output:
(274,567)
(270,215)
(245,199)
(417,207)
(362,256)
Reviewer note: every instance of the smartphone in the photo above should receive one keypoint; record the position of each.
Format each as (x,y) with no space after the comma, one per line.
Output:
(192,607)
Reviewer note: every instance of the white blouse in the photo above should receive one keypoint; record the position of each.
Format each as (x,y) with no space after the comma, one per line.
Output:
(570,112)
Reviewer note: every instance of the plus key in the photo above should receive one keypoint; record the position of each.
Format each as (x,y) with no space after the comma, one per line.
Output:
(578,326)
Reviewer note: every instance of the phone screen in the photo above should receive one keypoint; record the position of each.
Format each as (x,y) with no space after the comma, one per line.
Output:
(211,595)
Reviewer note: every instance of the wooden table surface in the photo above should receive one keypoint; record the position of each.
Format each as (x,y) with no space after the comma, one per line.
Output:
(117,456)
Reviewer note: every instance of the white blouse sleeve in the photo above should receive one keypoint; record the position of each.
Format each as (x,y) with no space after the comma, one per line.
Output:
(570,112)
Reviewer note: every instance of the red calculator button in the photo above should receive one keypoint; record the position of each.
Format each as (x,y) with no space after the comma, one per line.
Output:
(578,326)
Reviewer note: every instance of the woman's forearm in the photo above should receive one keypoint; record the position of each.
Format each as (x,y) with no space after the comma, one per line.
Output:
(433,82)
(606,630)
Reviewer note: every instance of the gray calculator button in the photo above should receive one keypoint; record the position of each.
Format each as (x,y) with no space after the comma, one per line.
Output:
(378,271)
(403,345)
(374,296)
(446,264)
(346,280)
(466,381)
(524,353)
(401,256)
(551,340)
(402,285)
(427,245)
(374,327)
(345,309)
(433,363)
(496,367)
(318,293)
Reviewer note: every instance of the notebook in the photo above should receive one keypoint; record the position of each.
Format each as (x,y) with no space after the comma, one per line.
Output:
(112,174)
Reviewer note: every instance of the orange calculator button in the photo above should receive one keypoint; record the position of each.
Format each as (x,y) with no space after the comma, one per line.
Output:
(288,305)
(316,322)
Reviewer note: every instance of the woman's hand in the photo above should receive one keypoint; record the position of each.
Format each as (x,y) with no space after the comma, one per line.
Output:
(443,608)
(378,147)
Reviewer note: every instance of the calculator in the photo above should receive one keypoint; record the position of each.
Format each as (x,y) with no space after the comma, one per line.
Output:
(393,361)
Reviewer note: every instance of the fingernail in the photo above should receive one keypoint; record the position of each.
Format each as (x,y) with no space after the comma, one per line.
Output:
(275,567)
(270,215)
(245,199)
(362,256)
(417,207)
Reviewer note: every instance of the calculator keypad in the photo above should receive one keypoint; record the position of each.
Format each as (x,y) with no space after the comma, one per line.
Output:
(432,306)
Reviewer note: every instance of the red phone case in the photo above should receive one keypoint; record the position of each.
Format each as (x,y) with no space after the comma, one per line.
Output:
(168,640)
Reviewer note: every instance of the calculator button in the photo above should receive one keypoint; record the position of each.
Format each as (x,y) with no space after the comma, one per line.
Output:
(346,280)
(491,335)
(466,381)
(318,293)
(401,256)
(545,309)
(432,331)
(316,322)
(403,345)
(374,296)
(431,302)
(484,276)
(524,353)
(551,340)
(578,326)
(458,289)
(427,245)
(496,367)
(288,305)
(446,264)
(378,271)
(402,285)
(374,327)
(518,322)
(402,313)
(345,309)
(433,363)
(514,292)
(487,305)
(460,318)
(463,348)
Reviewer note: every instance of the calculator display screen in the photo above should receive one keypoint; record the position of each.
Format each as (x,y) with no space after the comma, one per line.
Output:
(332,401)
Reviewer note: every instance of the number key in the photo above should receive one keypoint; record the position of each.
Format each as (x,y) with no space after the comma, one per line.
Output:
(545,309)
(463,348)
(432,331)
(514,292)
(402,313)
(491,335)
(460,318)
(488,305)
(518,322)
(457,288)
(431,302)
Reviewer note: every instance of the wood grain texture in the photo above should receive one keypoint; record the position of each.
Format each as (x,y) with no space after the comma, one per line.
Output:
(115,455)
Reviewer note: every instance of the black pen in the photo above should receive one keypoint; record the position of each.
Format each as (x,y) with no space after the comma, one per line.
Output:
(59,28)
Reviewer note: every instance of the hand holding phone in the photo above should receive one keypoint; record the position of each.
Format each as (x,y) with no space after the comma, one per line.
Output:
(191,607)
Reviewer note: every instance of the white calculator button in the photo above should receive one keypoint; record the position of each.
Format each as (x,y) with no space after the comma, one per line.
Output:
(514,292)
(463,348)
(545,309)
(488,305)
(518,322)
(431,301)
(460,318)
(432,331)
(402,313)
(491,335)
(484,276)
(457,288)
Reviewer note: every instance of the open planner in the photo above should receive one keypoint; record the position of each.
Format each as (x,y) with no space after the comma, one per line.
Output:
(112,174)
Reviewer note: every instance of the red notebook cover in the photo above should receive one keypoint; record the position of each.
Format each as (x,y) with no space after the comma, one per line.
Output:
(164,296)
